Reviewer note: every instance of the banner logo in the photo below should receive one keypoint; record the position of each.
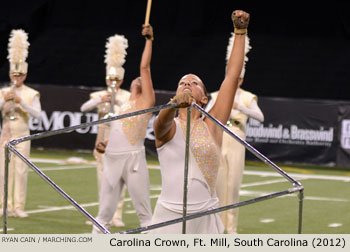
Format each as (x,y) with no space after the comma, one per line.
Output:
(62,119)
(291,134)
(345,134)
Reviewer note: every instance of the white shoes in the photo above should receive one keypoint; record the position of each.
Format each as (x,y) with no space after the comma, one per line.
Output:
(10,213)
(20,213)
(118,223)
(115,223)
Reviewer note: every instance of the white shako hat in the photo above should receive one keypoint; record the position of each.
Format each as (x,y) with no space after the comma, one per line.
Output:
(115,56)
(18,52)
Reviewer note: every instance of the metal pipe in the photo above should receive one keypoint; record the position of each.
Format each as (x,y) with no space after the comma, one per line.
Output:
(248,146)
(12,103)
(111,109)
(212,211)
(187,155)
(6,182)
(301,200)
(57,188)
(10,147)
(84,125)
(297,185)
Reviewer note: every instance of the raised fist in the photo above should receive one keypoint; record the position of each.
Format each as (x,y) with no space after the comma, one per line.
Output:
(147,31)
(240,19)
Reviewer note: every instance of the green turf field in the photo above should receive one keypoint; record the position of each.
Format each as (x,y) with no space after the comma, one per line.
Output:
(326,203)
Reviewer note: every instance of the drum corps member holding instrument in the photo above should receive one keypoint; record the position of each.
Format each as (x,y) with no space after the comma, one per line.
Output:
(106,106)
(17,103)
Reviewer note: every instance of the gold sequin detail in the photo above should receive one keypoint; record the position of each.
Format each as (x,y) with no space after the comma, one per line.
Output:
(134,127)
(205,151)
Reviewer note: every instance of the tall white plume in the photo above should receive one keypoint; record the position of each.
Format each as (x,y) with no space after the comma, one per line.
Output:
(246,50)
(18,46)
(116,50)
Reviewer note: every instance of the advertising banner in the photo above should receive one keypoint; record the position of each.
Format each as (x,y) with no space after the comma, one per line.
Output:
(302,131)
(295,130)
(343,154)
(61,108)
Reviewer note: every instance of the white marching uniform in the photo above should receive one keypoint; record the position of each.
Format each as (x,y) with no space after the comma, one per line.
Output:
(103,109)
(203,167)
(231,171)
(125,163)
(12,129)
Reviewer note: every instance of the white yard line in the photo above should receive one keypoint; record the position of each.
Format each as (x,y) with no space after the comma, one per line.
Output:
(47,160)
(58,161)
(157,167)
(325,199)
(8,229)
(260,193)
(45,209)
(69,167)
(267,182)
(130,212)
(55,208)
(156,188)
(242,193)
(298,175)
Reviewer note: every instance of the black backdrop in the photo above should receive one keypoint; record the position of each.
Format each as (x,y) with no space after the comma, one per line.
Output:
(298,51)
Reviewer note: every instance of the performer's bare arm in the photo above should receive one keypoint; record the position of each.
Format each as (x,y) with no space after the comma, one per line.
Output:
(164,125)
(228,88)
(147,95)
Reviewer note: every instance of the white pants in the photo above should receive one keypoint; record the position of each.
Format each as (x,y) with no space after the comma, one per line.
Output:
(230,177)
(18,174)
(118,215)
(119,169)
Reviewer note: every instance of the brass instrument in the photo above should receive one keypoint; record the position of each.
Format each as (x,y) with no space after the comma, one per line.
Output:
(12,103)
(112,76)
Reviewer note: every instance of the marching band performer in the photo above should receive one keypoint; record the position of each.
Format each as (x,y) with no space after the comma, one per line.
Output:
(102,100)
(125,157)
(17,103)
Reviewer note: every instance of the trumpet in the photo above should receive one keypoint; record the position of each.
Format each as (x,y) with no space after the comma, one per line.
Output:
(113,85)
(112,76)
(12,103)
(111,106)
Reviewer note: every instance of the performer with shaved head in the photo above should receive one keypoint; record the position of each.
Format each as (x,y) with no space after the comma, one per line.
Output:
(205,142)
